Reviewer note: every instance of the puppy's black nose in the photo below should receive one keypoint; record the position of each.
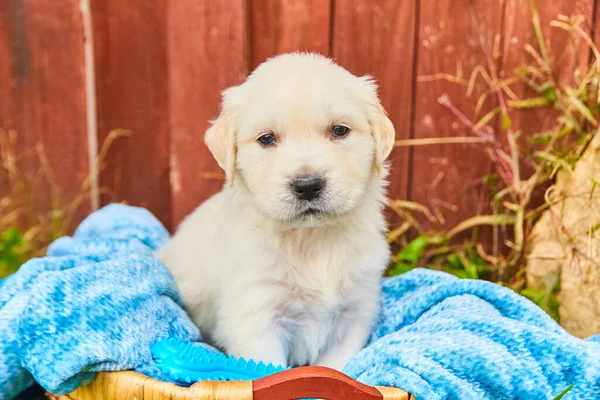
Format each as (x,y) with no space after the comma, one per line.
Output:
(308,188)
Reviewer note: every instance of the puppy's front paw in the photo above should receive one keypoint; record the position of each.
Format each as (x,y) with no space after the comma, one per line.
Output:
(267,348)
(333,361)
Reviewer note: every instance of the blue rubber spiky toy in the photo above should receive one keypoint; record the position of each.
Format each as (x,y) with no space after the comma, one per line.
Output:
(184,363)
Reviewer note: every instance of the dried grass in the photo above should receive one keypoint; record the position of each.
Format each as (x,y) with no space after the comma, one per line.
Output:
(29,223)
(522,170)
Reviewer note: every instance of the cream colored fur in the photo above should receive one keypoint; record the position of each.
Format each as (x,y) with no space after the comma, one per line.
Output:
(260,278)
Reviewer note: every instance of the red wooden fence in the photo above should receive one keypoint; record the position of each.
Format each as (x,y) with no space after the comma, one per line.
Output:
(158,67)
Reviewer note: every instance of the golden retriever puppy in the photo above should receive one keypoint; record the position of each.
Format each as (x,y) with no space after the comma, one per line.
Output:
(284,264)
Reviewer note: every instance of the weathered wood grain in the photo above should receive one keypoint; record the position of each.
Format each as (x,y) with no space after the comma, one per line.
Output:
(454,38)
(132,94)
(377,38)
(42,94)
(207,52)
(161,65)
(595,23)
(281,26)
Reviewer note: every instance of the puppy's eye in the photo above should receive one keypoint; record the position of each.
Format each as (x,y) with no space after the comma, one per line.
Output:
(268,139)
(339,130)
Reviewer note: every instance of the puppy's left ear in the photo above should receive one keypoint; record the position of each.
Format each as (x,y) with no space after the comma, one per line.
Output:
(221,142)
(384,135)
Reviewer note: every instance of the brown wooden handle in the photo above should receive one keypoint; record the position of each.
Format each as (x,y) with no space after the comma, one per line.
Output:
(316,382)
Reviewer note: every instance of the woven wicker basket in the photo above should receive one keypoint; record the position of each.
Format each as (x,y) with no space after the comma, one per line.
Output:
(315,382)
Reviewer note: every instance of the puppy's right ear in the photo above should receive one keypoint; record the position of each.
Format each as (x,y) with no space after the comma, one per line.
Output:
(220,140)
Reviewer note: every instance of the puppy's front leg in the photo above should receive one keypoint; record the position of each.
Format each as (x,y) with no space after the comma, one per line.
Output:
(266,347)
(252,334)
(353,335)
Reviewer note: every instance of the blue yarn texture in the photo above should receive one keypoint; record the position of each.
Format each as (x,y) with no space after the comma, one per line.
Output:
(100,299)
(95,303)
(440,337)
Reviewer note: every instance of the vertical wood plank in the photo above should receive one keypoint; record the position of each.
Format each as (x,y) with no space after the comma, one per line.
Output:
(207,52)
(132,93)
(42,91)
(281,26)
(595,7)
(518,31)
(377,38)
(454,38)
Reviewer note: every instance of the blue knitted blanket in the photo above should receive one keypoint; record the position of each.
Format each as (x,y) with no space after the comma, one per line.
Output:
(99,300)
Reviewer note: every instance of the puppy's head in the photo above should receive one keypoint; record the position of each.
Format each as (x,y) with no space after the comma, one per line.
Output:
(304,136)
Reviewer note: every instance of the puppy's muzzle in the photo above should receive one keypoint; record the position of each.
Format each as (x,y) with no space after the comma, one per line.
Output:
(308,188)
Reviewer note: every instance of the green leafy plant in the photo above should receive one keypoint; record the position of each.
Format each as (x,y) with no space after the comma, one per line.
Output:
(408,258)
(11,251)
(465,265)
(567,390)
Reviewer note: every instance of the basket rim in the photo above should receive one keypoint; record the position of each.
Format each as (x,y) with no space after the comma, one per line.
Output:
(315,382)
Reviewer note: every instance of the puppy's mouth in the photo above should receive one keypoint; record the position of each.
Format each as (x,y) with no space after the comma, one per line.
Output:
(312,212)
